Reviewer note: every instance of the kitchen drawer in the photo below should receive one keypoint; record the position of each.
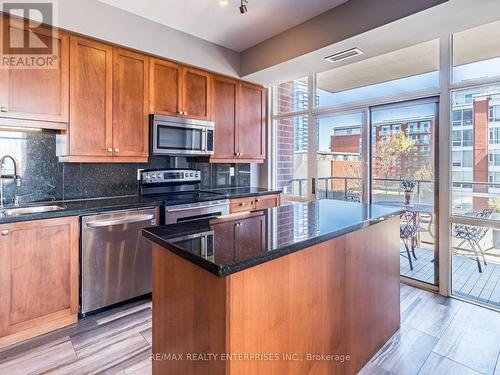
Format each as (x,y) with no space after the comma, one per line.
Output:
(242,204)
(267,201)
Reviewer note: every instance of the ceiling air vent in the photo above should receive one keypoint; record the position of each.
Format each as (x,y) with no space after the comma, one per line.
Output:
(344,55)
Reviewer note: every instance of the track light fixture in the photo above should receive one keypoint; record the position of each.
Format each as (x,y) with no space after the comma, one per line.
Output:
(243,6)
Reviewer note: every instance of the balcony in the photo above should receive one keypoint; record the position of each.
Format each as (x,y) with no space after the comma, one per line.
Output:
(475,264)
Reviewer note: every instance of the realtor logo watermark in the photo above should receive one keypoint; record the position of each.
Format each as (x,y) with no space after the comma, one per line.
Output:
(28,40)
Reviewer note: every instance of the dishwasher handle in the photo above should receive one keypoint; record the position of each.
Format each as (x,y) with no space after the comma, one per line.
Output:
(126,220)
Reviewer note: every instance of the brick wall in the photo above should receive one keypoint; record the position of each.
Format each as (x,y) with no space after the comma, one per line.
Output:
(285,137)
(345,143)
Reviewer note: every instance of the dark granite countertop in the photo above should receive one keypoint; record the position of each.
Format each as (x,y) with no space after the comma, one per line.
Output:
(242,192)
(237,244)
(84,207)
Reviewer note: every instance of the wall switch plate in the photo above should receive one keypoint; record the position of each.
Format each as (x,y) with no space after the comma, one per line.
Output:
(231,171)
(139,174)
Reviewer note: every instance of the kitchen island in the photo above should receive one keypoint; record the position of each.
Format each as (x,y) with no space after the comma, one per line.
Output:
(309,288)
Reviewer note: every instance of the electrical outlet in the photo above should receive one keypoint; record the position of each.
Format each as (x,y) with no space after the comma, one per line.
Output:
(231,171)
(139,174)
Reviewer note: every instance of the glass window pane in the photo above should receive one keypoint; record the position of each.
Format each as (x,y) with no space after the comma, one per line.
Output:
(467,158)
(480,148)
(475,263)
(292,96)
(291,156)
(476,52)
(403,71)
(339,157)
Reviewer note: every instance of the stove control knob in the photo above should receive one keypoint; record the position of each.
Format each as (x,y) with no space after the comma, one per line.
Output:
(191,175)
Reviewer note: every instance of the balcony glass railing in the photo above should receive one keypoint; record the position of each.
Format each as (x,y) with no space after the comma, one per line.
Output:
(467,197)
(350,188)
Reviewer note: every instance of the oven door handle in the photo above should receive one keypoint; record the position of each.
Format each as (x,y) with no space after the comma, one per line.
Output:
(196,208)
(128,220)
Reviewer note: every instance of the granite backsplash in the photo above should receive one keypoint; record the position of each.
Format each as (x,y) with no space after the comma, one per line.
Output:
(45,178)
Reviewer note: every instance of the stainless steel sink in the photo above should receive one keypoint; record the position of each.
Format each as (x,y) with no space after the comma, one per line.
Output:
(32,210)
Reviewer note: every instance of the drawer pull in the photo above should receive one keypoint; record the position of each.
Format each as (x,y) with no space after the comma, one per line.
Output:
(3,109)
(5,232)
(242,204)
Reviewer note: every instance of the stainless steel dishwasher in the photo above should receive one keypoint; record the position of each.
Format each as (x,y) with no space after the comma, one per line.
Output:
(115,258)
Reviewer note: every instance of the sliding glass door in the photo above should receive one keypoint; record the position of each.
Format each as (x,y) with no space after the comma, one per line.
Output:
(404,174)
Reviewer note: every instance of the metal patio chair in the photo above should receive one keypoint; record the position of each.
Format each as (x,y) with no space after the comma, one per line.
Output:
(352,196)
(473,235)
(408,232)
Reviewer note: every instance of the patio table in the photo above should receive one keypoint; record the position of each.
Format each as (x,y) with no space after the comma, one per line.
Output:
(420,208)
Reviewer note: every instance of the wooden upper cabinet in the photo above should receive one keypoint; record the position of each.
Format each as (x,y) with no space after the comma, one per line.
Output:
(224,102)
(179,91)
(109,89)
(130,103)
(39,94)
(196,94)
(239,113)
(165,87)
(251,128)
(91,90)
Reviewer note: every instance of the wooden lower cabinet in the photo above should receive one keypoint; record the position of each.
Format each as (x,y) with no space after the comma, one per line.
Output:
(249,236)
(260,202)
(38,277)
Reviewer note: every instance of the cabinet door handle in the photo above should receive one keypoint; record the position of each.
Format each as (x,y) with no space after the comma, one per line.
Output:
(239,224)
(110,149)
(257,200)
(5,232)
(242,204)
(117,150)
(185,113)
(3,109)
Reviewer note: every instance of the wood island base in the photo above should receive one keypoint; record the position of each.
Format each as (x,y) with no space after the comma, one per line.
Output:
(322,310)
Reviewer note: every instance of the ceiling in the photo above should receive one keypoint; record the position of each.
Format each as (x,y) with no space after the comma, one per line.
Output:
(406,62)
(454,16)
(484,38)
(223,24)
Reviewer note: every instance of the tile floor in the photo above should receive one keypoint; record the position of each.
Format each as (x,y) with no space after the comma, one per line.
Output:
(438,336)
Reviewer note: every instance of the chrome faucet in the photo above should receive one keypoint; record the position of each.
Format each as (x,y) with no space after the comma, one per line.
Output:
(14,176)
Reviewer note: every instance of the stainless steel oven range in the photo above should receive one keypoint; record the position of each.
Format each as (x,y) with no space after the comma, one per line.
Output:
(179,189)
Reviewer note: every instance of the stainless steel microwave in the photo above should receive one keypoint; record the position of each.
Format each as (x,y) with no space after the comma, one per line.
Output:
(181,136)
